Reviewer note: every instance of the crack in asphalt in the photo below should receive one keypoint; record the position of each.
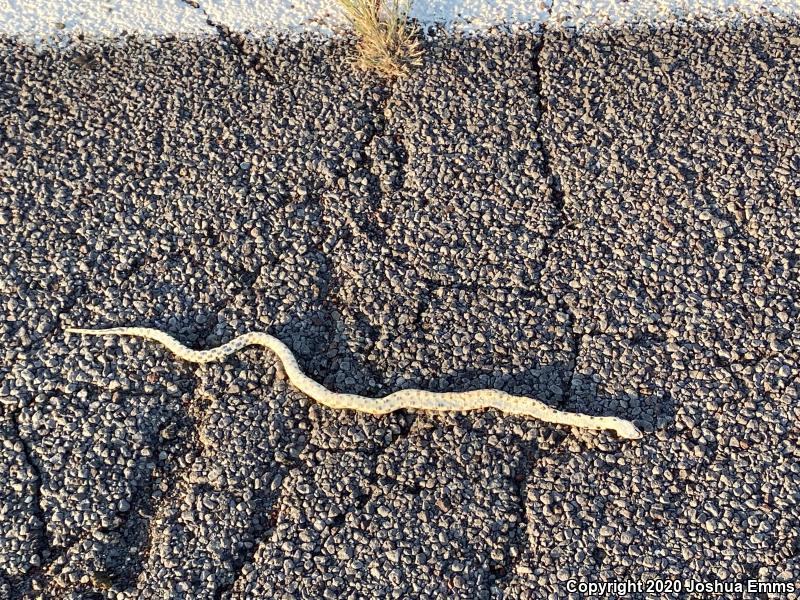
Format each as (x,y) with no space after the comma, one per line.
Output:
(46,550)
(371,157)
(376,130)
(552,178)
(242,556)
(519,479)
(246,556)
(143,507)
(234,40)
(474,287)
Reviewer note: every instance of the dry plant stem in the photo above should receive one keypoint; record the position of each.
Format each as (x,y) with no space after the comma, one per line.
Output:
(412,398)
(387,42)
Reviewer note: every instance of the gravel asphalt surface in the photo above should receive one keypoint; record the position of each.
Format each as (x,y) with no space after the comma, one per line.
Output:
(605,220)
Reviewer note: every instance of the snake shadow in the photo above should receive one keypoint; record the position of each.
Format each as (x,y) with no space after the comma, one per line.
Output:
(339,360)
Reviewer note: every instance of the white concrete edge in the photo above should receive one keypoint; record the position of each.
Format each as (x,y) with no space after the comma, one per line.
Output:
(57,21)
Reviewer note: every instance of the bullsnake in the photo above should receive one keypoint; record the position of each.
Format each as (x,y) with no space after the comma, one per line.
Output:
(410,398)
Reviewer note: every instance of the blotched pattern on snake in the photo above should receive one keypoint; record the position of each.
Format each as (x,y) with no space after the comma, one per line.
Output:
(411,398)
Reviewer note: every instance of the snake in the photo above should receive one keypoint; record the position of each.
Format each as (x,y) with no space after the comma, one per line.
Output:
(402,399)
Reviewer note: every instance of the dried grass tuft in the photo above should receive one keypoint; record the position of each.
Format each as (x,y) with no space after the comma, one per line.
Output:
(388,43)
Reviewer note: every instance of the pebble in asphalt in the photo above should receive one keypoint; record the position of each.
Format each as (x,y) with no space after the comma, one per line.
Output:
(607,221)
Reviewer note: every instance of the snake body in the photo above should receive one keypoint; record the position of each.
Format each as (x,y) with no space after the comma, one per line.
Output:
(410,398)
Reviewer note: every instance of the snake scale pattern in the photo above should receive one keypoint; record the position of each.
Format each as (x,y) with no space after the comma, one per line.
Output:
(411,398)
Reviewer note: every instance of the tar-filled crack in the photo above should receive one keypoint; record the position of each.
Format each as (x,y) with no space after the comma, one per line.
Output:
(258,534)
(519,479)
(267,507)
(233,39)
(46,550)
(246,555)
(476,288)
(334,327)
(391,150)
(137,524)
(145,504)
(553,179)
(575,342)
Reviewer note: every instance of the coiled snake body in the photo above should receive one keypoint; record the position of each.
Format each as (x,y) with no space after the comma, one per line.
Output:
(412,398)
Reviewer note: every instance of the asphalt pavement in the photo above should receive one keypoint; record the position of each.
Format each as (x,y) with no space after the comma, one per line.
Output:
(603,219)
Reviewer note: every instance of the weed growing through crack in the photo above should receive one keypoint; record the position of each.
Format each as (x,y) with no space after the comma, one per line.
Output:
(387,41)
